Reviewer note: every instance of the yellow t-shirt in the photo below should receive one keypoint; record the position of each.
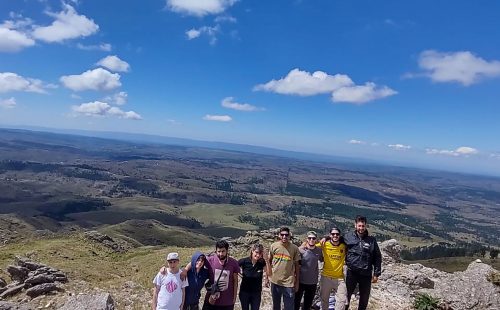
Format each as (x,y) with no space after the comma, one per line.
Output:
(334,258)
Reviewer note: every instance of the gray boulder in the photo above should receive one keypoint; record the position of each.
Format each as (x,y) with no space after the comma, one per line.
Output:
(3,283)
(12,290)
(39,279)
(17,273)
(391,251)
(6,305)
(102,301)
(41,289)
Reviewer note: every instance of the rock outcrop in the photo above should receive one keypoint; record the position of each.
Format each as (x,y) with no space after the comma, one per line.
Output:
(106,241)
(35,278)
(400,283)
(102,301)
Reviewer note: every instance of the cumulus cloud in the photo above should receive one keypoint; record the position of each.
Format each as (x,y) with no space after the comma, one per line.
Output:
(229,103)
(217,118)
(360,94)
(399,147)
(462,67)
(340,86)
(303,83)
(10,82)
(460,151)
(8,103)
(101,109)
(68,24)
(210,32)
(114,63)
(97,79)
(105,47)
(353,141)
(119,98)
(199,7)
(13,35)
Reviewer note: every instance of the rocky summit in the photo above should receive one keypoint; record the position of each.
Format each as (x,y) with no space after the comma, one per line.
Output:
(34,285)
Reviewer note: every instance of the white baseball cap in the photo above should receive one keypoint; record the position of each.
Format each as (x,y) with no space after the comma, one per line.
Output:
(173,256)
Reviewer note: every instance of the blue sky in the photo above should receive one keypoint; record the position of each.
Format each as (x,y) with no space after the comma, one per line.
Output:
(412,83)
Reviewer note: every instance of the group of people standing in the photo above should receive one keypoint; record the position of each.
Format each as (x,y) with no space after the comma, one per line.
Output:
(291,271)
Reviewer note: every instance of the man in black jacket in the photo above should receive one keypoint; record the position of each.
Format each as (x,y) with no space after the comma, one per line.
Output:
(363,262)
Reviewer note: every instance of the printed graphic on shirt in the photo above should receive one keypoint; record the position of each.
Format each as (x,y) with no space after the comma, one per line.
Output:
(223,283)
(281,257)
(171,286)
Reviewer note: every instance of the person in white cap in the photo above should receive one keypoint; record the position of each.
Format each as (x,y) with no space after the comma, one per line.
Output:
(169,290)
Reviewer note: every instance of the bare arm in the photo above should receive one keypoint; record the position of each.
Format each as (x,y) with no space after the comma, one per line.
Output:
(184,271)
(297,275)
(183,297)
(235,287)
(268,264)
(155,296)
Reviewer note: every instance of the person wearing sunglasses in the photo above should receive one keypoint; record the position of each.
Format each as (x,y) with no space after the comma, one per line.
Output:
(332,276)
(363,262)
(309,271)
(284,269)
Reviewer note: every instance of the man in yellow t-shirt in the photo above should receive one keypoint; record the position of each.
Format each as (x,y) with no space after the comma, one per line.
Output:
(332,276)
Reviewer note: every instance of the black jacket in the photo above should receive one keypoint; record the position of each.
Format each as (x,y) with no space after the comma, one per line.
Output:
(363,254)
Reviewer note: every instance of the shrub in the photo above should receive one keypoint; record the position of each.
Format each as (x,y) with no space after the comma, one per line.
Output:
(425,301)
(494,277)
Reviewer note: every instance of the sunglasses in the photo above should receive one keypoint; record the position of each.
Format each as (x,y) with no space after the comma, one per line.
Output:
(311,238)
(335,234)
(284,235)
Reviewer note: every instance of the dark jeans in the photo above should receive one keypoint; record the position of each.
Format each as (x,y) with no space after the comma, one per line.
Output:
(207,306)
(278,291)
(250,300)
(365,285)
(191,307)
(308,291)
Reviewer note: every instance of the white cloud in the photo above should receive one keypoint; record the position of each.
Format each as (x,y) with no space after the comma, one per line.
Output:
(106,47)
(75,96)
(460,151)
(10,82)
(353,141)
(229,103)
(199,7)
(114,63)
(210,32)
(68,24)
(97,79)
(101,109)
(8,103)
(119,98)
(462,67)
(465,150)
(217,118)
(360,94)
(193,34)
(13,40)
(303,83)
(225,19)
(399,147)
